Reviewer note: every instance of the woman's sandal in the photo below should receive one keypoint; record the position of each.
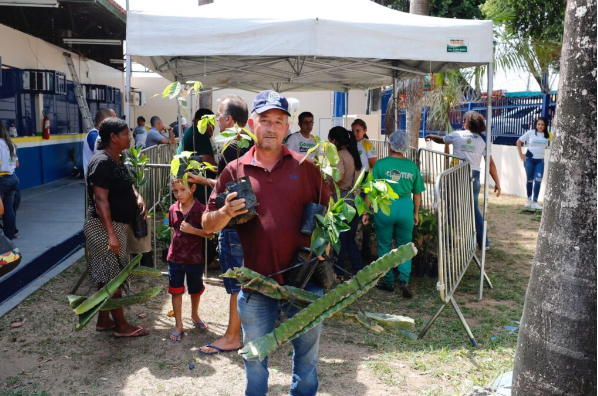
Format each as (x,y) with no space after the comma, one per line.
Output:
(140,332)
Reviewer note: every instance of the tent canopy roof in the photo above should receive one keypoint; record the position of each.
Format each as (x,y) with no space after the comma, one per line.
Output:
(316,45)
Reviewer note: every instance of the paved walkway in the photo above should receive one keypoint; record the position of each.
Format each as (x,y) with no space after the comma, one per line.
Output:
(48,215)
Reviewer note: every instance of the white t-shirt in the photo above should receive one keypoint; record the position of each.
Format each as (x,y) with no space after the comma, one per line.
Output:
(536,142)
(297,143)
(7,164)
(90,147)
(366,151)
(469,146)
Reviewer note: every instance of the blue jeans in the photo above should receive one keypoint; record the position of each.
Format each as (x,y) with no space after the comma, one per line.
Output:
(479,219)
(534,170)
(8,187)
(258,315)
(231,256)
(349,246)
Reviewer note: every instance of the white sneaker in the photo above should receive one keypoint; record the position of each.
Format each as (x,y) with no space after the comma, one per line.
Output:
(528,204)
(536,206)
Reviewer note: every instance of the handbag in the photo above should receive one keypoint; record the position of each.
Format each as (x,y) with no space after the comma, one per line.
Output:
(10,257)
(139,225)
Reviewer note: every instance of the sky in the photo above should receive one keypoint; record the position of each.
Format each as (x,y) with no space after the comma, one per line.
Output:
(512,81)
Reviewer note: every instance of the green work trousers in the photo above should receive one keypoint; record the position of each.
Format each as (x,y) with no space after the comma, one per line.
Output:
(399,225)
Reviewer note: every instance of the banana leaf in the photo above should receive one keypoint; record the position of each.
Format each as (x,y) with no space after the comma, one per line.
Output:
(137,298)
(88,315)
(146,271)
(302,298)
(109,289)
(332,302)
(75,301)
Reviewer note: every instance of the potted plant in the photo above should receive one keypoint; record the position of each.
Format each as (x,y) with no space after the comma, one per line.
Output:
(425,238)
(138,236)
(330,221)
(242,186)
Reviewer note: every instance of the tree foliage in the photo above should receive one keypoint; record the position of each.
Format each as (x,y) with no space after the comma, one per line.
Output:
(465,9)
(538,20)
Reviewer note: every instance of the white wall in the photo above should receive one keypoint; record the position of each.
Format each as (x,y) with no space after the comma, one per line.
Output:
(318,103)
(27,52)
(509,167)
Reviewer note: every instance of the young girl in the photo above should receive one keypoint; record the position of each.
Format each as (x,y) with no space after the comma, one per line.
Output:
(185,255)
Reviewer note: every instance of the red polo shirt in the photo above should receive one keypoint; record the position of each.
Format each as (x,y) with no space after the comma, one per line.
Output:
(271,239)
(185,248)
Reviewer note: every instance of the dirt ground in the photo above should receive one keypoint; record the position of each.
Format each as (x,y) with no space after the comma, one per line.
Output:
(47,357)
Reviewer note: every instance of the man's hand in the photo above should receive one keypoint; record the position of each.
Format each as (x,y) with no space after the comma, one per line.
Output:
(234,207)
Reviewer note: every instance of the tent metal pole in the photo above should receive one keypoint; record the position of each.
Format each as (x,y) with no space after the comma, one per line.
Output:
(128,82)
(395,107)
(346,109)
(178,119)
(486,175)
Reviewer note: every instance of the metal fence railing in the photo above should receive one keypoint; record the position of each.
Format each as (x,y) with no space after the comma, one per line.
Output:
(512,115)
(431,164)
(449,194)
(158,177)
(454,209)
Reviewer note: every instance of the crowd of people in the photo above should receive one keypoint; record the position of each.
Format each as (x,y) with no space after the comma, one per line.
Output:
(283,185)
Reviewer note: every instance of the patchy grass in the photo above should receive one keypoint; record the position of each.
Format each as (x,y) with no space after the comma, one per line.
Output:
(46,356)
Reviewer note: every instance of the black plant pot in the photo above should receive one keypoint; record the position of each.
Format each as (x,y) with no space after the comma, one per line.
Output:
(302,268)
(139,225)
(308,222)
(243,189)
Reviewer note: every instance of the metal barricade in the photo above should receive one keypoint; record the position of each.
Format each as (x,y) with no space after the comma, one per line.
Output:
(454,208)
(158,179)
(431,164)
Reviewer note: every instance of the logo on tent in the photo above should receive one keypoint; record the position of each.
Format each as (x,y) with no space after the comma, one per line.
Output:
(456,45)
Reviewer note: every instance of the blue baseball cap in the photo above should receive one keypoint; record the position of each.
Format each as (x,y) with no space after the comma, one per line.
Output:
(268,100)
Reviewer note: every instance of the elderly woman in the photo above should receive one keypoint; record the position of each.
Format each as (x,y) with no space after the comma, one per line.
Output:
(112,205)
(406,181)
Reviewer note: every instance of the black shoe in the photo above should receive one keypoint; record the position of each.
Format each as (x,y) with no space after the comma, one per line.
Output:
(404,286)
(384,287)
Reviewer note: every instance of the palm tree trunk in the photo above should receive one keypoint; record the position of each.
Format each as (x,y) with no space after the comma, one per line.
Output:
(556,348)
(414,109)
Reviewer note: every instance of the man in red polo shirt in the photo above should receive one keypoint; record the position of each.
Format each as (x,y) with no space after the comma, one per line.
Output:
(282,187)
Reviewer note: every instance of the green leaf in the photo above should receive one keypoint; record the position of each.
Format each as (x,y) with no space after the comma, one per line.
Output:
(172,90)
(336,174)
(247,131)
(380,186)
(311,150)
(385,209)
(332,154)
(360,204)
(243,143)
(174,166)
(197,86)
(349,212)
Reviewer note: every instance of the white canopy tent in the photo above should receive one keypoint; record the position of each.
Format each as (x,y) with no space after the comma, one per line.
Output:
(316,45)
(313,45)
